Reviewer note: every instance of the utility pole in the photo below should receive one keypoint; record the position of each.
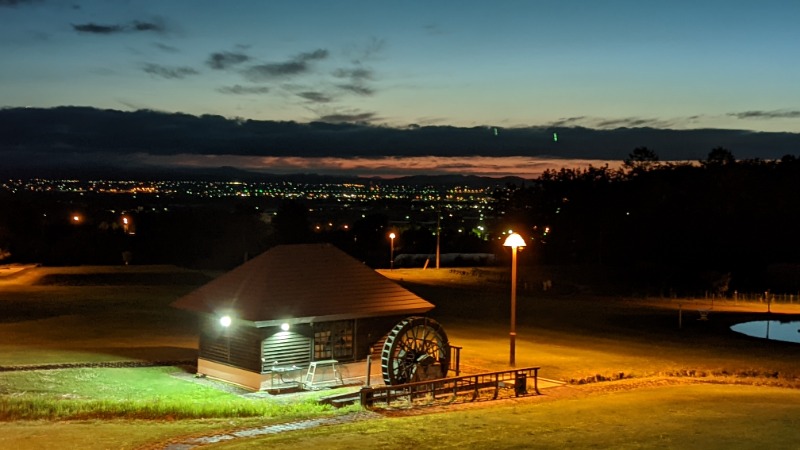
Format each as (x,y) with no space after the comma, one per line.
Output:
(438,233)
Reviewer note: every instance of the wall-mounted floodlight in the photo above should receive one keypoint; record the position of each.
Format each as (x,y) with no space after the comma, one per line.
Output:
(285,326)
(225,321)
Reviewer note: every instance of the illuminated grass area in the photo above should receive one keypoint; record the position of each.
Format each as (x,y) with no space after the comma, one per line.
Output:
(132,393)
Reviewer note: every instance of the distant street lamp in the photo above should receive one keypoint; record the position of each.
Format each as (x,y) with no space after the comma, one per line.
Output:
(514,241)
(391,252)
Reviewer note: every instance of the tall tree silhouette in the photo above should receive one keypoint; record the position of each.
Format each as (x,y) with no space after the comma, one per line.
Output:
(719,156)
(641,159)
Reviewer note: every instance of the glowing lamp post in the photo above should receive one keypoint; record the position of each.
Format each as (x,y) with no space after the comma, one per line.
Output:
(514,241)
(391,251)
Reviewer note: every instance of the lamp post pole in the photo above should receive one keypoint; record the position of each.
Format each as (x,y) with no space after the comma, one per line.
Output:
(513,333)
(391,251)
(514,241)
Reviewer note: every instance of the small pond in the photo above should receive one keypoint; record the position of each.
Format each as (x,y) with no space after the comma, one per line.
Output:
(774,330)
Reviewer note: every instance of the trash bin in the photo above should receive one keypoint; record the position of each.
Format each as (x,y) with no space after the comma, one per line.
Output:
(521,384)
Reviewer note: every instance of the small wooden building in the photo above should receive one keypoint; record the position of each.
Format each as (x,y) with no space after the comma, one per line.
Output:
(291,306)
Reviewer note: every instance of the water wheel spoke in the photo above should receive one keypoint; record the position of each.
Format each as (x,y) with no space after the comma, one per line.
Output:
(413,342)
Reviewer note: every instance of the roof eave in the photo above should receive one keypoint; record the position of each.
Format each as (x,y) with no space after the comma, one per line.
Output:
(335,317)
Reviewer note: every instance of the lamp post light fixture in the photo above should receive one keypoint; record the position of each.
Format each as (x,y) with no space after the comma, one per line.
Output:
(514,241)
(391,251)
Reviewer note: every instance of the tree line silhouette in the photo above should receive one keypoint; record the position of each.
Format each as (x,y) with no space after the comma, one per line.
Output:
(673,227)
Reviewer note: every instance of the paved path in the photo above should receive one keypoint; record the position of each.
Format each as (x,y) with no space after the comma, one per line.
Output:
(265,430)
(7,270)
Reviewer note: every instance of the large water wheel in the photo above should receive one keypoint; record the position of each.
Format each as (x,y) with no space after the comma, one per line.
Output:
(416,349)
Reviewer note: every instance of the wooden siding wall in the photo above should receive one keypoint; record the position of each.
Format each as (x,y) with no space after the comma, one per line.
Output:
(285,349)
(259,350)
(238,345)
(372,331)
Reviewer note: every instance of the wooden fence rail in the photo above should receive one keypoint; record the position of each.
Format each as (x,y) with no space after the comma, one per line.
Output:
(453,387)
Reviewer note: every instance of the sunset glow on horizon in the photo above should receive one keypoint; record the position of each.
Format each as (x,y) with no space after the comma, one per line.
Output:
(384,167)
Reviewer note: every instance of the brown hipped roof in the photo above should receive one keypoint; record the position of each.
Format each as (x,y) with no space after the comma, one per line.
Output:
(302,283)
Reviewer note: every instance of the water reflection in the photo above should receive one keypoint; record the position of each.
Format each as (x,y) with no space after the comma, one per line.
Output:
(770,329)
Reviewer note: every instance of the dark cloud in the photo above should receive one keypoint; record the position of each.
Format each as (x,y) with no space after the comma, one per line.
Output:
(263,72)
(629,122)
(359,89)
(316,97)
(611,123)
(169,72)
(568,121)
(133,27)
(243,90)
(224,60)
(358,73)
(359,118)
(80,134)
(778,114)
(147,26)
(358,76)
(311,56)
(14,3)
(166,48)
(296,66)
(94,28)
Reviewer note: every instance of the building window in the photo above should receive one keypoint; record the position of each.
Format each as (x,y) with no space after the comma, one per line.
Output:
(322,345)
(333,340)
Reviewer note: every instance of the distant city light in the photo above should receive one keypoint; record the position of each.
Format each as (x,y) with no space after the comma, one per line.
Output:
(225,321)
(285,326)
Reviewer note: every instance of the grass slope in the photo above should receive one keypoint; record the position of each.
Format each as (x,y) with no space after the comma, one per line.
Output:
(101,314)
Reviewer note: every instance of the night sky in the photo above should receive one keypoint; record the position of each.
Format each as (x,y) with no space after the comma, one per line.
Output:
(682,65)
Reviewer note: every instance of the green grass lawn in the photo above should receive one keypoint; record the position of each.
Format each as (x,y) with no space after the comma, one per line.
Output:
(101,314)
(705,416)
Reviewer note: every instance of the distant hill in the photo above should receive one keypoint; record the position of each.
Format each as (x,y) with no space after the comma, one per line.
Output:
(235,174)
